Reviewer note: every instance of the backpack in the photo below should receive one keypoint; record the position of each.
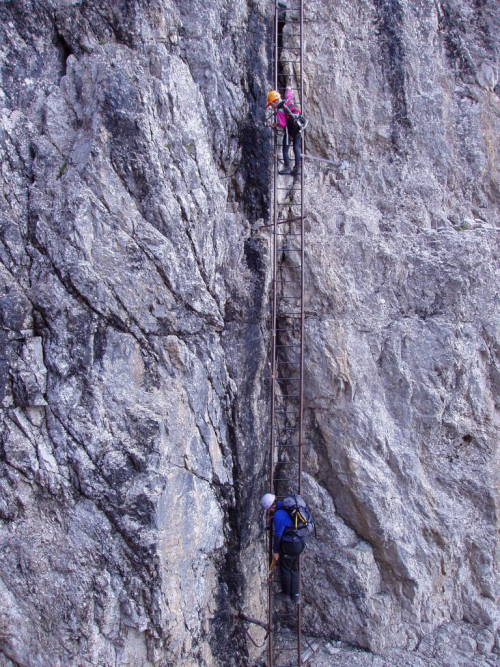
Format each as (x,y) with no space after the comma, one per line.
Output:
(301,515)
(299,121)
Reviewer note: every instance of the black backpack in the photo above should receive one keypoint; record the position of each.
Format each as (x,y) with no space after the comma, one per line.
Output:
(301,515)
(299,121)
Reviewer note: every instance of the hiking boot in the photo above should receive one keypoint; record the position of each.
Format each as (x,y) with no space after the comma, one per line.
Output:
(296,172)
(295,598)
(285,170)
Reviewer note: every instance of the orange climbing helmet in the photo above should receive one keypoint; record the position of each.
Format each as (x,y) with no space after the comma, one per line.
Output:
(273,96)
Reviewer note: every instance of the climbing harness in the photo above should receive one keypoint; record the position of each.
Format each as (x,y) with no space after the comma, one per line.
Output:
(299,120)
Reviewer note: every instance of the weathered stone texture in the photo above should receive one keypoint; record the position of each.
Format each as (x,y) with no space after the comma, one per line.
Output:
(130,283)
(134,330)
(403,355)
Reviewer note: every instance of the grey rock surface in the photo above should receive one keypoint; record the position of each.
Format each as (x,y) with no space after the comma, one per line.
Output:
(134,331)
(402,358)
(133,294)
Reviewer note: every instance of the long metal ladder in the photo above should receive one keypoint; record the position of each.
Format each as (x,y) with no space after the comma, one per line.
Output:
(287,356)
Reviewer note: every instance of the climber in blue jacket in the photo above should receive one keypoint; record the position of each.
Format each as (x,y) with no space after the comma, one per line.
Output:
(287,547)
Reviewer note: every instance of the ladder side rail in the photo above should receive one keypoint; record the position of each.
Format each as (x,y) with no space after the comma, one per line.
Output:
(270,646)
(302,253)
(292,331)
(302,294)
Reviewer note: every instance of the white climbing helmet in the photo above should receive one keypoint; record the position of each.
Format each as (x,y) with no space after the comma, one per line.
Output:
(267,500)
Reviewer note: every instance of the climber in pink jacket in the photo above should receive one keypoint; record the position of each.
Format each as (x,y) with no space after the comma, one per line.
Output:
(288,119)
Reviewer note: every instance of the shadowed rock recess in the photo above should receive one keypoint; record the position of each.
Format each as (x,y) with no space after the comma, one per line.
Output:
(134,339)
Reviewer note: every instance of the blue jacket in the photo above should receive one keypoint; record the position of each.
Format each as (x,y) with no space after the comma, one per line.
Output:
(281,520)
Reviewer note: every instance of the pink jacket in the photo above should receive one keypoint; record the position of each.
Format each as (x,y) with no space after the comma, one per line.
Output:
(280,116)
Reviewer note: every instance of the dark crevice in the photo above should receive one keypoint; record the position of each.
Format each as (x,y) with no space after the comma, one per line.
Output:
(283,81)
(252,133)
(390,30)
(65,51)
(453,27)
(227,636)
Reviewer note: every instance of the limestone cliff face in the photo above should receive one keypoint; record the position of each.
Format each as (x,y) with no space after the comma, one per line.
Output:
(403,352)
(132,331)
(134,328)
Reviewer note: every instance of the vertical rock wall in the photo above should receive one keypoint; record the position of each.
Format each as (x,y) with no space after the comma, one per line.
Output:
(403,327)
(132,327)
(133,337)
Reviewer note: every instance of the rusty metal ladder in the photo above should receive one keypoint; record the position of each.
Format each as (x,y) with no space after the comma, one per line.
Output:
(285,642)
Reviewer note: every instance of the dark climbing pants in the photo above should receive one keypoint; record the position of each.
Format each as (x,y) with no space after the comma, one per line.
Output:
(289,566)
(287,140)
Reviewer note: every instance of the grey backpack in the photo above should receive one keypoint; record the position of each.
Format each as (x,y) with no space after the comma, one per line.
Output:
(301,515)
